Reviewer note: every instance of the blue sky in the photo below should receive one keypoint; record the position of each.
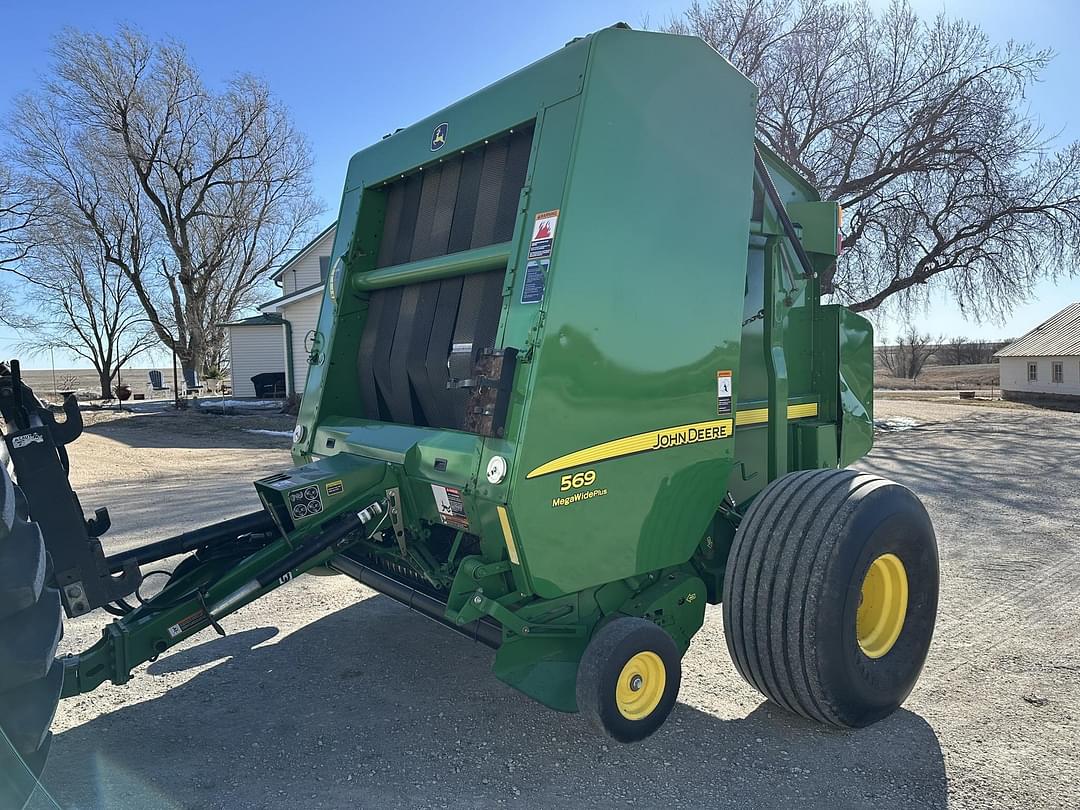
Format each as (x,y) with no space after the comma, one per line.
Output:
(352,71)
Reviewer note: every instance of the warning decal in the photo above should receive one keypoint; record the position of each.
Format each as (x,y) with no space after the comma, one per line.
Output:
(197,619)
(335,487)
(543,235)
(723,392)
(450,505)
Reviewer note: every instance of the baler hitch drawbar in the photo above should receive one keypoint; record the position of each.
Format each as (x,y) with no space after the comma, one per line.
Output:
(231,567)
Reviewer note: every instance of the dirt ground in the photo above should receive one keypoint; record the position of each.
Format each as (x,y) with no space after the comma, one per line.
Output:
(327,695)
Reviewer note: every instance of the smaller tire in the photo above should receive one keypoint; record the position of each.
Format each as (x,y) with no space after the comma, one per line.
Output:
(628,678)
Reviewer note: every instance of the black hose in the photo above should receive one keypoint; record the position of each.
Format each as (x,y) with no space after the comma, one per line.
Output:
(225,531)
(329,535)
(781,212)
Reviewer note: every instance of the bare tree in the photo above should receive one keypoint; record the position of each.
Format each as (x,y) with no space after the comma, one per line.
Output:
(21,209)
(126,130)
(961,351)
(906,358)
(920,130)
(80,301)
(956,351)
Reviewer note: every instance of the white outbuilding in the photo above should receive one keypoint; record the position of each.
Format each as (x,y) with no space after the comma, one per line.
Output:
(1045,363)
(268,352)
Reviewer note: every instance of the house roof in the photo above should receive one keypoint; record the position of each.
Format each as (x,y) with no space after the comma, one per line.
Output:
(1058,336)
(301,252)
(299,295)
(264,319)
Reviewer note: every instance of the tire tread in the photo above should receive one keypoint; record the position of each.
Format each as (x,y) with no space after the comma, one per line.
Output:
(31,626)
(779,555)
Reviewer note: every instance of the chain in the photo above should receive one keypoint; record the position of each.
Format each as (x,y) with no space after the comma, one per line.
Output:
(751,319)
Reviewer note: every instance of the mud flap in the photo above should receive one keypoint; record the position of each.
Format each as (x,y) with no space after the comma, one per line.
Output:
(856,342)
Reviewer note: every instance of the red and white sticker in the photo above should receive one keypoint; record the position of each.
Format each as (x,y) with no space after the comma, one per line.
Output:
(196,619)
(543,235)
(451,506)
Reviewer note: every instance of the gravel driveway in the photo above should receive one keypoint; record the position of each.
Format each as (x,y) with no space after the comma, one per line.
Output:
(326,695)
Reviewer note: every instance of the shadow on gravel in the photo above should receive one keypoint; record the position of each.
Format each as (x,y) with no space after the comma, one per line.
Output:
(194,431)
(180,502)
(375,707)
(213,650)
(987,471)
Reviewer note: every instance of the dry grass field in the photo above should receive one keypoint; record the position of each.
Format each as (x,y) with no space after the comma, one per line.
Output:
(936,378)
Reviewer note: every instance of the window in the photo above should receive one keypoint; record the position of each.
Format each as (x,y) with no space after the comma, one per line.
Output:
(324,268)
(1033,372)
(1056,373)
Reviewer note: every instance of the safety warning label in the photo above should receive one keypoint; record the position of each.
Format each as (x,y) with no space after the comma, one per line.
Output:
(723,392)
(188,623)
(535,279)
(450,505)
(543,235)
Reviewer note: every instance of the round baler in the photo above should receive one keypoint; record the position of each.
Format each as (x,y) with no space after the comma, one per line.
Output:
(573,381)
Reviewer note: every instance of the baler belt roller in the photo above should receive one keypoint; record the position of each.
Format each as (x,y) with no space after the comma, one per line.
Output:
(482,630)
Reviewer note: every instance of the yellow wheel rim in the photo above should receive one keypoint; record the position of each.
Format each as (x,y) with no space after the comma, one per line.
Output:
(882,606)
(641,686)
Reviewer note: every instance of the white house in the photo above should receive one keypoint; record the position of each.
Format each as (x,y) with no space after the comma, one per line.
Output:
(1045,363)
(272,342)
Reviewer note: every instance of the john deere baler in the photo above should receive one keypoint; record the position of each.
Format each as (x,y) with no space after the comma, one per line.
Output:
(572,382)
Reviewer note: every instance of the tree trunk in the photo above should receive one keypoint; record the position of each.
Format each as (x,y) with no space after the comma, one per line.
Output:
(105,381)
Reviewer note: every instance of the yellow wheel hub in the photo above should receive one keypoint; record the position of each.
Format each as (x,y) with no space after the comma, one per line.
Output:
(882,606)
(641,686)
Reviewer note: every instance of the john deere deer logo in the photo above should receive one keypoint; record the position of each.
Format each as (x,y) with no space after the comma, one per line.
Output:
(438,137)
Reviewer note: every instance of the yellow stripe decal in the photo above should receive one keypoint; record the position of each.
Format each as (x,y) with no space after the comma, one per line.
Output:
(759,416)
(639,443)
(508,535)
(665,438)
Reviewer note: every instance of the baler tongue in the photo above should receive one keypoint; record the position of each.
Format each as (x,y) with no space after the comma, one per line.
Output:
(311,514)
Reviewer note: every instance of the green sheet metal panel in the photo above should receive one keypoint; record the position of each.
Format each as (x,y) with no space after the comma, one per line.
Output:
(644,144)
(643,307)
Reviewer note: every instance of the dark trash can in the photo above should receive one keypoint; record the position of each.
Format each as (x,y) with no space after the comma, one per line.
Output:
(269,384)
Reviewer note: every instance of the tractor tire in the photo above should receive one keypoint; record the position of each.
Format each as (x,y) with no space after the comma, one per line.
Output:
(628,678)
(830,595)
(31,625)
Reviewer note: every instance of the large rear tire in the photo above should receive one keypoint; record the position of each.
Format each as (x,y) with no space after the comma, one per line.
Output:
(830,595)
(31,625)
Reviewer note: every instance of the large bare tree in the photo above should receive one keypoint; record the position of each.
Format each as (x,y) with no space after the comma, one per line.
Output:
(919,128)
(75,299)
(194,195)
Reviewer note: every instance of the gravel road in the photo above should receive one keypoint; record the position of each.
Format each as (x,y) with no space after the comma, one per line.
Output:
(327,695)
